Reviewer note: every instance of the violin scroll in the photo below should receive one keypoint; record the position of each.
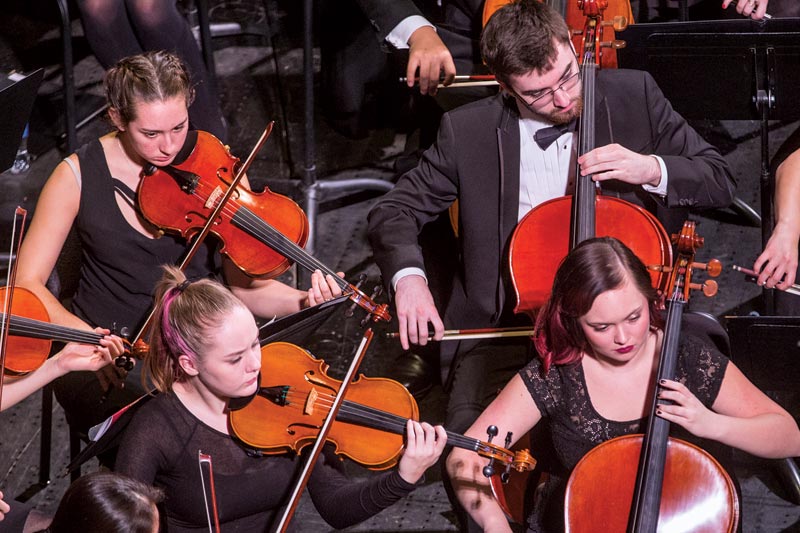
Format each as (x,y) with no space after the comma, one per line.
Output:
(520,460)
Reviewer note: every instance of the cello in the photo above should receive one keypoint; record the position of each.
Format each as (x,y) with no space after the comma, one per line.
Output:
(573,12)
(677,485)
(543,237)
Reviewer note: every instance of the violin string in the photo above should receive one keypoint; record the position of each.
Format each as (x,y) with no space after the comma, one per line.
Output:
(370,416)
(38,329)
(261,230)
(279,242)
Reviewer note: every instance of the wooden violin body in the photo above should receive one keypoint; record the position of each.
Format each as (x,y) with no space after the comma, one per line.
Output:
(262,233)
(295,396)
(31,334)
(273,428)
(25,353)
(180,198)
(698,496)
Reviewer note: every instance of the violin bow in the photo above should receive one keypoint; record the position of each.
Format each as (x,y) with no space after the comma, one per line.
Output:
(209,491)
(323,432)
(17,229)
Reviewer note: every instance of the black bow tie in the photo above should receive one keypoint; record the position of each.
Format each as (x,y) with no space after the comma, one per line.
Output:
(547,136)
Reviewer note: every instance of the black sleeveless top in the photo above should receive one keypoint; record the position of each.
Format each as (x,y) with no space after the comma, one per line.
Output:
(119,265)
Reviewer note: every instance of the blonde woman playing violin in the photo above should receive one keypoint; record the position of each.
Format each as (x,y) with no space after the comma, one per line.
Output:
(204,350)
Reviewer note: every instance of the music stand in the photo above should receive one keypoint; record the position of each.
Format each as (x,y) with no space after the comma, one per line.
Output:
(724,69)
(766,350)
(17,94)
(297,327)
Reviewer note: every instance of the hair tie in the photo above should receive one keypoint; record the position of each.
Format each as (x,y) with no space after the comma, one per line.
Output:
(182,285)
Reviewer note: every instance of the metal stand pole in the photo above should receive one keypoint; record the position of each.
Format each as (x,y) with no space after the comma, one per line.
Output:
(70,112)
(313,190)
(764,101)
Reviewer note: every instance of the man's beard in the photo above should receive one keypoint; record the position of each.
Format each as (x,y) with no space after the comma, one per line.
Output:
(563,117)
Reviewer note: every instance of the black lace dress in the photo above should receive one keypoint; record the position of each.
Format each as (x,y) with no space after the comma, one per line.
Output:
(562,398)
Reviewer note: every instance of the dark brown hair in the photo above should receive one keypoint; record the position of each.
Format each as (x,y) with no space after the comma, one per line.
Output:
(108,502)
(521,37)
(593,267)
(147,77)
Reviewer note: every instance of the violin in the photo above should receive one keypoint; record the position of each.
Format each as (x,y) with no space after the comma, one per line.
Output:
(31,333)
(261,233)
(545,235)
(657,479)
(17,228)
(295,395)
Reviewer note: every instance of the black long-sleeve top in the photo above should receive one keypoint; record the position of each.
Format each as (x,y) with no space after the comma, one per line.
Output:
(161,445)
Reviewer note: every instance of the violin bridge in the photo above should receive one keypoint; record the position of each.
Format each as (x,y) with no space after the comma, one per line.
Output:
(213,198)
(308,409)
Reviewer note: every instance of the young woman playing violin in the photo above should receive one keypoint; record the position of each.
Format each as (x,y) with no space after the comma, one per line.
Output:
(93,190)
(599,338)
(204,350)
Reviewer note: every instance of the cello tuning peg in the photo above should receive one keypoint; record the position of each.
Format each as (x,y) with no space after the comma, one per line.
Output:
(660,268)
(709,287)
(619,23)
(616,44)
(713,267)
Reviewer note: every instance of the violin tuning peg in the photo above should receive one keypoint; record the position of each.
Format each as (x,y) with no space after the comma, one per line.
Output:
(504,477)
(492,431)
(508,439)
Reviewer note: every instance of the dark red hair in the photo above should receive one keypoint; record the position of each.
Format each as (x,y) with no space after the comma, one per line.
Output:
(593,267)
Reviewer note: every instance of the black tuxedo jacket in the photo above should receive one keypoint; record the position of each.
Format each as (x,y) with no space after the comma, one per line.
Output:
(476,160)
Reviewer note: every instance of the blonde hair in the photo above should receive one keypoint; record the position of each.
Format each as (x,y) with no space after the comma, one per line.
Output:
(148,77)
(185,315)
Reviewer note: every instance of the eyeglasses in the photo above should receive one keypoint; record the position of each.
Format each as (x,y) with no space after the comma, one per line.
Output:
(566,86)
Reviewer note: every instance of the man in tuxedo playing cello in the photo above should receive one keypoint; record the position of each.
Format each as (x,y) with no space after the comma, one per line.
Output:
(487,157)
